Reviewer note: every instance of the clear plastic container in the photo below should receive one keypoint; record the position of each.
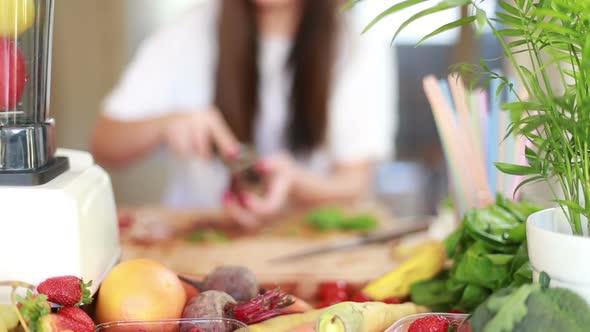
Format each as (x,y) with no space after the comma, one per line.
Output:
(175,325)
(25,61)
(458,320)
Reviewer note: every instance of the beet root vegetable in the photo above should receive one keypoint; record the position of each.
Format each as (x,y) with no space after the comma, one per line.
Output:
(216,305)
(209,304)
(239,282)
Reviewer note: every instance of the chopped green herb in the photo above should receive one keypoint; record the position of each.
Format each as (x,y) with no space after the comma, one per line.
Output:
(206,236)
(326,219)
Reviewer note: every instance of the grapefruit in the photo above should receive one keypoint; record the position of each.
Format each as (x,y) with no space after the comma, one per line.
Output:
(140,289)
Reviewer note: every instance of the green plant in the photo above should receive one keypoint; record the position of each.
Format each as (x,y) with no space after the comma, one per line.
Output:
(553,115)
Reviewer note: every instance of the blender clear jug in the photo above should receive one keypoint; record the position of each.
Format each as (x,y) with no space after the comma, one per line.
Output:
(27,139)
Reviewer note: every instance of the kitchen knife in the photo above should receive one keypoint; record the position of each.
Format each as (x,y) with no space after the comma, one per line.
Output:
(376,238)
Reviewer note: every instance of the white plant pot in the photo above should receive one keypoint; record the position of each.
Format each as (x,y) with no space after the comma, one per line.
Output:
(555,250)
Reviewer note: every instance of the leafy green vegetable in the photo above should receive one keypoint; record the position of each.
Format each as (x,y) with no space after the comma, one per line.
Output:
(361,222)
(206,236)
(523,275)
(489,253)
(477,267)
(334,219)
(472,296)
(520,210)
(435,293)
(452,242)
(521,270)
(325,218)
(490,224)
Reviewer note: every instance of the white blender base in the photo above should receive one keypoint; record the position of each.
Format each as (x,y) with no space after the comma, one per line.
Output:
(65,227)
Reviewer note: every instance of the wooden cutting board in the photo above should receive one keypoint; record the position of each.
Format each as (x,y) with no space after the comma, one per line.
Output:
(254,251)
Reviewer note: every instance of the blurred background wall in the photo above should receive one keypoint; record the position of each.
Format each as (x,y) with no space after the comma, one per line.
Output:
(95,39)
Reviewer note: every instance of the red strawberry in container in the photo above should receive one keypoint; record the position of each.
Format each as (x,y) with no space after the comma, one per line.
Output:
(66,291)
(67,319)
(433,323)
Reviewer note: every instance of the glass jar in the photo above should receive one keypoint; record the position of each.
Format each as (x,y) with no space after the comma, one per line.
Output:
(27,139)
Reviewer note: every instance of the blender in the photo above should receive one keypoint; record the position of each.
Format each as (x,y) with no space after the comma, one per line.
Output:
(57,208)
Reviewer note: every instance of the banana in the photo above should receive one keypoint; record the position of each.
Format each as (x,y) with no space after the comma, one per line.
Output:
(427,261)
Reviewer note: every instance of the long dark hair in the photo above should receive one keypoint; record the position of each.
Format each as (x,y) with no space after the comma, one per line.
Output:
(310,60)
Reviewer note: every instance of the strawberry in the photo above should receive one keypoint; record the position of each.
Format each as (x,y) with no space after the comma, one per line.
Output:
(67,319)
(392,300)
(456,311)
(432,323)
(360,297)
(66,290)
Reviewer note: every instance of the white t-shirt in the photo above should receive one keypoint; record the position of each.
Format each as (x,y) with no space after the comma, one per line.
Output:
(174,71)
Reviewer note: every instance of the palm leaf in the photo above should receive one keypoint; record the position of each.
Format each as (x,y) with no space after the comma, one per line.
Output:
(455,24)
(392,10)
(442,6)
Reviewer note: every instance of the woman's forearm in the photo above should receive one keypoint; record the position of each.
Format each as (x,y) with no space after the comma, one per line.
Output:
(344,184)
(118,144)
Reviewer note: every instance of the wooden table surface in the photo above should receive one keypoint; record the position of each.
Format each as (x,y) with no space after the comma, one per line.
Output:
(255,251)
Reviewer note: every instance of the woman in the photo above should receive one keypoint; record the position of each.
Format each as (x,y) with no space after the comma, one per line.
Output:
(293,78)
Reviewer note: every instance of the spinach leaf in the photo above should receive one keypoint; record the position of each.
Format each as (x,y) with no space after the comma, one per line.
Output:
(524,275)
(521,257)
(520,210)
(473,296)
(477,268)
(452,242)
(490,224)
(434,294)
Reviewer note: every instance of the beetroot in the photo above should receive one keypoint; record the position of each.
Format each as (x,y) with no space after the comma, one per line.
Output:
(239,282)
(217,305)
(209,304)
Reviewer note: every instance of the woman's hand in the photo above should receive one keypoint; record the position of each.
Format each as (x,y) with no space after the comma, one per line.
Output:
(195,133)
(251,210)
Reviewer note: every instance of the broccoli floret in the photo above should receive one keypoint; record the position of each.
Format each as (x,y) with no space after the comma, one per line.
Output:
(483,313)
(511,309)
(532,309)
(555,310)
